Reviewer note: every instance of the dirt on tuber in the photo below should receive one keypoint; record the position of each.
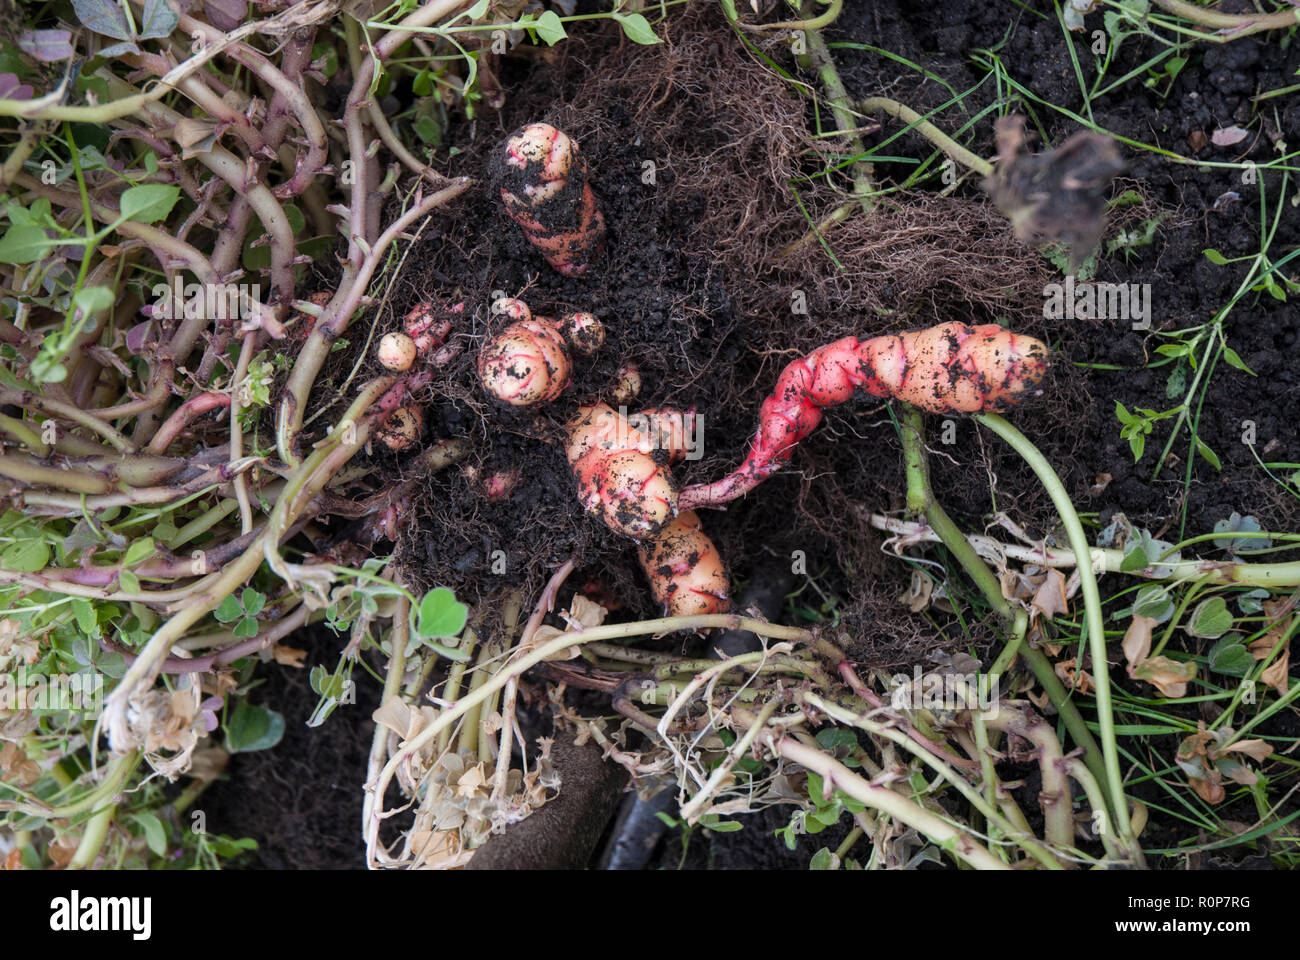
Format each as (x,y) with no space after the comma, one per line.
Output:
(685,569)
(528,362)
(621,465)
(546,191)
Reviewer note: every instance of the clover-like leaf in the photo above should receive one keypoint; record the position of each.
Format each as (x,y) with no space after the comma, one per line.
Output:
(441,615)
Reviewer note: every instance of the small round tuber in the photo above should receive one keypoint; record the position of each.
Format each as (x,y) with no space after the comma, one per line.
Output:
(396,351)
(627,384)
(584,332)
(525,363)
(402,428)
(686,571)
(423,326)
(546,192)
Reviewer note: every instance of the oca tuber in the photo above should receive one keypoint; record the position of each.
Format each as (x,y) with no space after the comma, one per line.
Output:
(951,368)
(685,569)
(403,428)
(546,192)
(622,468)
(528,362)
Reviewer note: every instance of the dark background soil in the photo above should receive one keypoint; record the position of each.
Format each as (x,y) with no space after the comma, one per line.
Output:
(689,293)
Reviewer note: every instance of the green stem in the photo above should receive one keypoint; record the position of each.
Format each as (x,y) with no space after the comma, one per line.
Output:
(1092,608)
(925,128)
(920,494)
(846,120)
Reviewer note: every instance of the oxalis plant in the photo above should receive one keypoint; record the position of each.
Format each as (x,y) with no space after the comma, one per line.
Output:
(167,185)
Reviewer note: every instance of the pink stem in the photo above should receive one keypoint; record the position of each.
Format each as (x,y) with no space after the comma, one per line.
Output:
(187,412)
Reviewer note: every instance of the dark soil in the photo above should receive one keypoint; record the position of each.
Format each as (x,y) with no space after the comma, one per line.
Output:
(689,291)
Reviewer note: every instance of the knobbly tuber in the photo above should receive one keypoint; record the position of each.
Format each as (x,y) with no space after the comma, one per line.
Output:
(685,569)
(546,192)
(525,363)
(584,332)
(423,326)
(528,362)
(951,368)
(622,471)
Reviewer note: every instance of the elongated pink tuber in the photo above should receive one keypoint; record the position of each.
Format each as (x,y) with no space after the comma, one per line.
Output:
(951,368)
(686,571)
(545,191)
(622,471)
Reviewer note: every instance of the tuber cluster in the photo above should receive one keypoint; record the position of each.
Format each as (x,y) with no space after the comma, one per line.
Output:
(951,368)
(528,362)
(546,191)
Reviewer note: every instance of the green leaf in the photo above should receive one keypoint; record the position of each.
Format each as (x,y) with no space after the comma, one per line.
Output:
(247,627)
(1153,601)
(142,548)
(1230,657)
(1211,619)
(1137,443)
(823,859)
(549,28)
(253,728)
(154,833)
(105,17)
(229,610)
(128,581)
(638,29)
(1177,382)
(158,20)
(253,601)
(441,615)
(1135,558)
(1251,602)
(24,243)
(84,614)
(479,10)
(149,202)
(721,826)
(1214,256)
(1210,456)
(832,738)
(25,556)
(91,300)
(1234,360)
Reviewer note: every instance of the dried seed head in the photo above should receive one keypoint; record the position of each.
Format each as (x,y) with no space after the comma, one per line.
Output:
(396,351)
